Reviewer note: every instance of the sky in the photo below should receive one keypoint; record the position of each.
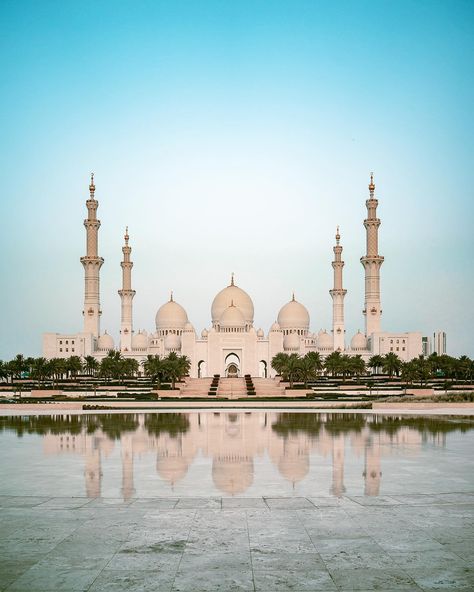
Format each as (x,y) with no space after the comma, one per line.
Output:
(235,137)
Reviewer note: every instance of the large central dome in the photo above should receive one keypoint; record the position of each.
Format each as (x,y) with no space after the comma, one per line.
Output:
(232,295)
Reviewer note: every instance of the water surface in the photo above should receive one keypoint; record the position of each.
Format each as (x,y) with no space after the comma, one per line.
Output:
(247,454)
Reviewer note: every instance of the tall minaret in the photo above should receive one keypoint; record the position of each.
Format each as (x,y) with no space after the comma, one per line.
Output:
(337,295)
(126,295)
(92,264)
(372,263)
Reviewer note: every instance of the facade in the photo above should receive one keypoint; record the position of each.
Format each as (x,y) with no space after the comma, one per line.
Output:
(232,346)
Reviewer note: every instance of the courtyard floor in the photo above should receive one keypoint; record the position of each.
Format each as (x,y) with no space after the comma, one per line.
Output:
(400,542)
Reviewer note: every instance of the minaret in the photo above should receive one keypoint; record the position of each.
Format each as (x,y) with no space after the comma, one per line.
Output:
(372,263)
(92,264)
(126,295)
(337,295)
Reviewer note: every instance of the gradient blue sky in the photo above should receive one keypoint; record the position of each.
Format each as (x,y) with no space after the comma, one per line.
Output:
(234,136)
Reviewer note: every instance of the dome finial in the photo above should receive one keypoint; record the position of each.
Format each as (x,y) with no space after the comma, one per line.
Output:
(232,279)
(126,237)
(293,296)
(372,184)
(171,296)
(338,236)
(92,186)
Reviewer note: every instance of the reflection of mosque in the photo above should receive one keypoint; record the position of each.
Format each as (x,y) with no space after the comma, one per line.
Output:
(234,441)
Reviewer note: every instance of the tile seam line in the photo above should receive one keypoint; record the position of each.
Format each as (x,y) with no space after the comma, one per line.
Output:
(181,558)
(250,549)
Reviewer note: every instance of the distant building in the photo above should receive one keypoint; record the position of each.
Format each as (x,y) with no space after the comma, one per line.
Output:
(232,346)
(439,342)
(426,346)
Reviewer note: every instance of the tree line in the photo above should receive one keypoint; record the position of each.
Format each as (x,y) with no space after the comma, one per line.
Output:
(307,368)
(171,368)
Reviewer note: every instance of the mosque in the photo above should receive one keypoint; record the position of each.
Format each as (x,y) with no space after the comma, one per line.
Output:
(231,346)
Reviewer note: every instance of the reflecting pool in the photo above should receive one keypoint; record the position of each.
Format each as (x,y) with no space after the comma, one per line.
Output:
(246,454)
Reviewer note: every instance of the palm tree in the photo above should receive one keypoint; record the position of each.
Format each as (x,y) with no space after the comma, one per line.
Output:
(308,368)
(74,365)
(18,366)
(153,368)
(40,370)
(333,363)
(91,365)
(375,362)
(357,365)
(175,367)
(391,364)
(279,364)
(292,367)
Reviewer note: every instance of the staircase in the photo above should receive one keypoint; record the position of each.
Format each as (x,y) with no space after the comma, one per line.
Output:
(232,388)
(196,387)
(268,387)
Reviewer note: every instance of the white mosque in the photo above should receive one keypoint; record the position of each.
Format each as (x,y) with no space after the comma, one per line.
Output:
(232,346)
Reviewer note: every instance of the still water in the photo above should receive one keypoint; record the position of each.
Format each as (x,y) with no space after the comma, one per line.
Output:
(248,454)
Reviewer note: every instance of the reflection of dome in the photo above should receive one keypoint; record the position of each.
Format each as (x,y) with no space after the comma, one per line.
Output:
(294,469)
(291,342)
(293,316)
(172,342)
(225,298)
(140,341)
(359,341)
(232,475)
(105,342)
(232,317)
(324,340)
(171,468)
(171,316)
(204,333)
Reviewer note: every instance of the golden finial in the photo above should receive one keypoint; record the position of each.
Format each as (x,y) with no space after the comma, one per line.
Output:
(232,279)
(338,236)
(92,186)
(171,296)
(126,237)
(293,296)
(372,184)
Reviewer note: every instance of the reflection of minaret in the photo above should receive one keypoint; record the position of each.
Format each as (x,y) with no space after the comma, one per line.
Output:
(337,295)
(92,264)
(372,263)
(93,472)
(126,296)
(128,489)
(372,472)
(338,487)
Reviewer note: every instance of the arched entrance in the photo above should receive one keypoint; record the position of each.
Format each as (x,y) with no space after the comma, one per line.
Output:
(202,369)
(263,369)
(232,365)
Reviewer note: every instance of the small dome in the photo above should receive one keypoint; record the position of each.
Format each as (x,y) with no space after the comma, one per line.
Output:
(204,334)
(275,327)
(260,334)
(232,317)
(225,298)
(325,341)
(188,328)
(171,316)
(105,342)
(232,475)
(140,341)
(293,316)
(291,342)
(172,342)
(359,341)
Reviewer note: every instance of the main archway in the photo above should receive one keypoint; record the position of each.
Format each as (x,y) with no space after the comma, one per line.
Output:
(232,365)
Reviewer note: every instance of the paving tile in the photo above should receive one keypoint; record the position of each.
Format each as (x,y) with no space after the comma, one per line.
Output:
(291,571)
(439,558)
(379,500)
(46,578)
(132,581)
(64,503)
(243,502)
(199,502)
(157,503)
(288,503)
(214,572)
(22,501)
(366,580)
(415,499)
(156,556)
(434,578)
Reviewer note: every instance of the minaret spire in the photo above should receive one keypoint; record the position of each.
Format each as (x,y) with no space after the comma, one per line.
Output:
(126,296)
(337,294)
(92,264)
(372,263)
